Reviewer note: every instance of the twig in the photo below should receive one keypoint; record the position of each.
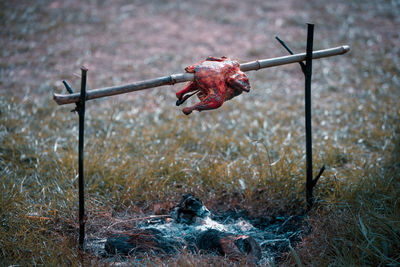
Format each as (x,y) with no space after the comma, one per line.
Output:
(141,219)
(315,180)
(38,218)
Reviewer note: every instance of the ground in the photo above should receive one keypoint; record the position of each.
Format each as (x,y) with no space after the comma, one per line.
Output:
(142,153)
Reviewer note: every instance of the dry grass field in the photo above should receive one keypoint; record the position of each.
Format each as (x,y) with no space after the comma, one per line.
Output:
(143,154)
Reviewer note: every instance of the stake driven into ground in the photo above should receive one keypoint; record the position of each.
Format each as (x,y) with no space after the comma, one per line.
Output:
(185,77)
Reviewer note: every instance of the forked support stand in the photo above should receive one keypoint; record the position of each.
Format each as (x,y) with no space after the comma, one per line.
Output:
(80,109)
(310,181)
(307,71)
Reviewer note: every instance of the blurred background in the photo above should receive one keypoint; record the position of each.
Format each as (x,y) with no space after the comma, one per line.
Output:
(44,42)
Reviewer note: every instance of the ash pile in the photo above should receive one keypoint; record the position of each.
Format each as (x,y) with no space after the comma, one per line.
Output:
(192,227)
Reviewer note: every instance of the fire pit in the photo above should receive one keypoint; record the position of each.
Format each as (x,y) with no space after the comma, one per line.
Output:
(192,227)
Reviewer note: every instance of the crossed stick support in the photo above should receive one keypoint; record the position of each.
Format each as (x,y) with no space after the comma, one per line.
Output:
(80,98)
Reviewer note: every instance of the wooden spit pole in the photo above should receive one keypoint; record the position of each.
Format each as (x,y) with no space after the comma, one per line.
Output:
(185,77)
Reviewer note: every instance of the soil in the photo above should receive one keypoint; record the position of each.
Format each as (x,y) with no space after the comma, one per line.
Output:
(119,41)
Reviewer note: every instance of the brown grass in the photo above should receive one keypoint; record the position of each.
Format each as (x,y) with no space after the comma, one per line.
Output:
(141,151)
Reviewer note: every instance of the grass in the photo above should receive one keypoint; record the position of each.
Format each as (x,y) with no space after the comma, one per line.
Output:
(142,152)
(135,160)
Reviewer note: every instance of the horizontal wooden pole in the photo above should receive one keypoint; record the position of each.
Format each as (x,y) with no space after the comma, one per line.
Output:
(63,99)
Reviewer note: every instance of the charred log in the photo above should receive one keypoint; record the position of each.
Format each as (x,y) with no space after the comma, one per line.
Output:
(141,241)
(235,247)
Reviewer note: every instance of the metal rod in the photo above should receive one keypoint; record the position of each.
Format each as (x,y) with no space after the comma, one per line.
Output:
(81,112)
(308,73)
(284,45)
(302,65)
(69,89)
(62,99)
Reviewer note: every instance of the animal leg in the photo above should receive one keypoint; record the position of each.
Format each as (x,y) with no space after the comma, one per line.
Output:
(213,101)
(192,86)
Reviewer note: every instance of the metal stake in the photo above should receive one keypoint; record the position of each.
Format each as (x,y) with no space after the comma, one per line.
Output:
(81,112)
(308,72)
